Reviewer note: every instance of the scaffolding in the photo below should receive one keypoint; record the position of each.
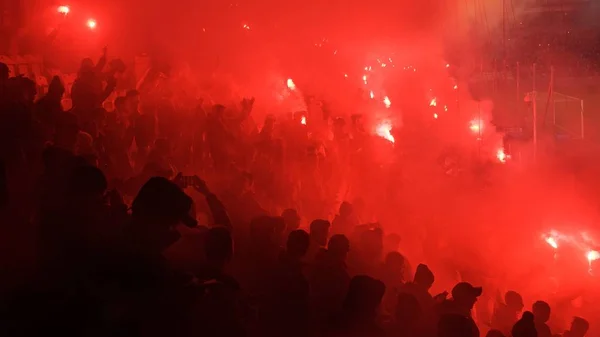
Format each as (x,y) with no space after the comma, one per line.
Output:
(566,115)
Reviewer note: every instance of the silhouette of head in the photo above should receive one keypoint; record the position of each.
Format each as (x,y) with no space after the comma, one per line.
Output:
(364,296)
(494,333)
(87,183)
(162,203)
(4,72)
(319,231)
(297,243)
(338,246)
(541,311)
(455,325)
(218,246)
(346,209)
(56,87)
(465,294)
(394,262)
(423,276)
(514,300)
(121,104)
(87,65)
(579,327)
(291,218)
(525,327)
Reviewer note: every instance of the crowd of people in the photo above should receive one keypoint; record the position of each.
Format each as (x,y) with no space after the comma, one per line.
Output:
(158,219)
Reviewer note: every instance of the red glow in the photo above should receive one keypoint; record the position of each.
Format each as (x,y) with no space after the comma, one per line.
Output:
(303,120)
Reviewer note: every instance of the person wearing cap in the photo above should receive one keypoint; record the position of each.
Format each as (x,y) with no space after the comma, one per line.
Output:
(464,297)
(159,206)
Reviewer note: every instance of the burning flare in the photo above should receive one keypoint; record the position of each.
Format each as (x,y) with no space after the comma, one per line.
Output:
(387,102)
(91,23)
(384,129)
(290,84)
(433,102)
(552,242)
(476,125)
(303,120)
(63,10)
(502,156)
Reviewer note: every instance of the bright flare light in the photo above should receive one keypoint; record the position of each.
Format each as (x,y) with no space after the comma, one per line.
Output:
(593,255)
(435,116)
(364,78)
(552,242)
(290,84)
(433,102)
(384,129)
(502,156)
(387,102)
(63,10)
(476,126)
(91,23)
(303,120)
(371,94)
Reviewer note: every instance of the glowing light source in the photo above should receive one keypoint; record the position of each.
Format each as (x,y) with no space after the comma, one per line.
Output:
(364,78)
(63,10)
(387,102)
(384,130)
(476,126)
(290,84)
(552,242)
(371,94)
(245,26)
(435,116)
(433,102)
(455,86)
(502,156)
(447,65)
(593,255)
(91,23)
(303,120)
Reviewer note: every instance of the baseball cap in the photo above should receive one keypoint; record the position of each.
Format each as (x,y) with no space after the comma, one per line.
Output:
(465,289)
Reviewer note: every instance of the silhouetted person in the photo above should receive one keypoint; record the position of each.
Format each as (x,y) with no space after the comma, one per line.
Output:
(464,297)
(319,233)
(455,325)
(292,220)
(506,314)
(286,311)
(49,108)
(525,327)
(541,315)
(329,278)
(408,316)
(392,274)
(579,328)
(419,288)
(345,221)
(359,313)
(218,311)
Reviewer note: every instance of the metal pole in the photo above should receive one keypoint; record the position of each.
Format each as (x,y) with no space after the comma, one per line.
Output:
(518,82)
(534,117)
(582,121)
